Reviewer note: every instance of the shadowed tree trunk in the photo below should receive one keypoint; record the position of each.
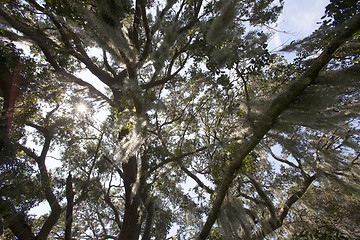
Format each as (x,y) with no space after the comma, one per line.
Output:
(131,221)
(69,207)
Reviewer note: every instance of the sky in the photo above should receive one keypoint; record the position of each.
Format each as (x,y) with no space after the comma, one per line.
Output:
(298,20)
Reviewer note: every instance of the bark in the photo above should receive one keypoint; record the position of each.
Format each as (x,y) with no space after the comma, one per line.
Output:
(267,201)
(196,179)
(15,221)
(115,210)
(276,222)
(10,83)
(45,181)
(69,208)
(131,222)
(134,177)
(150,211)
(5,85)
(275,108)
(49,195)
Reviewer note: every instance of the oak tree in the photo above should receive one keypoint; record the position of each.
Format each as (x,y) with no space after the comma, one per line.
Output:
(192,123)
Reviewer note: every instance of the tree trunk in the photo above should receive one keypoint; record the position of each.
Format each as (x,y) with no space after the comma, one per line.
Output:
(69,207)
(5,80)
(131,221)
(15,221)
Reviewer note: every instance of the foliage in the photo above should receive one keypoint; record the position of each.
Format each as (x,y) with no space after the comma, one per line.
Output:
(318,218)
(193,128)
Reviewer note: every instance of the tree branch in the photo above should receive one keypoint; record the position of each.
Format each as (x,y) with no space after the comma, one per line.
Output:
(115,210)
(158,21)
(117,168)
(90,87)
(49,195)
(181,156)
(282,160)
(148,35)
(153,83)
(66,35)
(276,222)
(42,41)
(194,19)
(285,209)
(196,179)
(176,158)
(268,118)
(263,195)
(134,32)
(107,65)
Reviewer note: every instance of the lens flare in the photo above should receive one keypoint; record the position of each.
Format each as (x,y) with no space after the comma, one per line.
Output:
(81,108)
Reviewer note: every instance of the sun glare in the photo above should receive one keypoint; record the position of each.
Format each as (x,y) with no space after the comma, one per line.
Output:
(81,108)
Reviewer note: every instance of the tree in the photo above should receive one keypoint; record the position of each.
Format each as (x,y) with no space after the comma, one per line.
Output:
(190,93)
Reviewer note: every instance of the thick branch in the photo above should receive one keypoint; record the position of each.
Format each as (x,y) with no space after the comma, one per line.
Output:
(285,209)
(115,210)
(16,38)
(282,160)
(49,195)
(45,181)
(107,65)
(254,200)
(275,108)
(135,29)
(117,168)
(42,41)
(194,18)
(67,35)
(276,222)
(147,47)
(79,52)
(28,152)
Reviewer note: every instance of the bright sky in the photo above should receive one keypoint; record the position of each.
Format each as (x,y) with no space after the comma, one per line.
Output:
(299,19)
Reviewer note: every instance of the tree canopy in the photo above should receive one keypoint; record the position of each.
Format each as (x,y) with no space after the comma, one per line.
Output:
(193,130)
